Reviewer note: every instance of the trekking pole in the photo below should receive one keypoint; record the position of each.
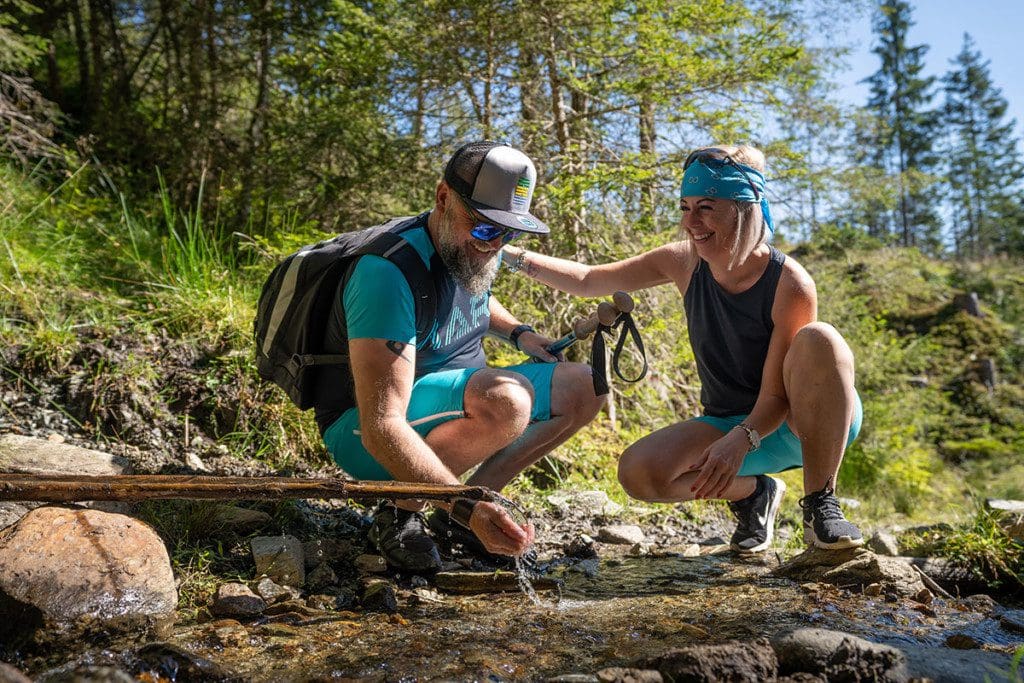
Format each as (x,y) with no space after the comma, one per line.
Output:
(607,314)
(62,488)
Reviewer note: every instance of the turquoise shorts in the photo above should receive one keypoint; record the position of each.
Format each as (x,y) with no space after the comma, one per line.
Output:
(780,450)
(436,399)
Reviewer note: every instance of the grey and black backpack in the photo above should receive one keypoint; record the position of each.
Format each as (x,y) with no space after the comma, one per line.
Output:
(296,301)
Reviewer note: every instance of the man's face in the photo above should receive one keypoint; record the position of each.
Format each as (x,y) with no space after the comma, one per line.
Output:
(474,263)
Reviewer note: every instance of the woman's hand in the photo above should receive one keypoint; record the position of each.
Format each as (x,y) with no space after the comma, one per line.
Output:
(719,464)
(498,531)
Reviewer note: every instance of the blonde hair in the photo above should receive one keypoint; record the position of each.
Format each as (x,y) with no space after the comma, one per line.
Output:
(751,230)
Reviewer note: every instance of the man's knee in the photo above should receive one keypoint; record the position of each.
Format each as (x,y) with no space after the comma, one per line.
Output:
(500,397)
(573,393)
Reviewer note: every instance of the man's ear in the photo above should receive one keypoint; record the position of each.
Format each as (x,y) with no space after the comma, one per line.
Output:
(442,195)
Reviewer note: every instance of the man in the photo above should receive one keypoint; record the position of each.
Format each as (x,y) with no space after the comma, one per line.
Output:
(429,409)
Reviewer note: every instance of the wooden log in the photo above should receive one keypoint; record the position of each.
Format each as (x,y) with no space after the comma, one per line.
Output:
(60,488)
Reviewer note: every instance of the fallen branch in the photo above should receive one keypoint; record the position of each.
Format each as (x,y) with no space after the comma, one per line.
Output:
(60,488)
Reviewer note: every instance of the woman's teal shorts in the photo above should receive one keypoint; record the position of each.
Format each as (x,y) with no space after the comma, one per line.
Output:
(436,399)
(780,450)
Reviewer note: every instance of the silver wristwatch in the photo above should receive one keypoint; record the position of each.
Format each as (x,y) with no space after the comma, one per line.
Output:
(752,436)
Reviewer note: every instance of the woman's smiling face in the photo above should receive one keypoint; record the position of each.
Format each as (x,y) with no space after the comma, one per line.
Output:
(711,223)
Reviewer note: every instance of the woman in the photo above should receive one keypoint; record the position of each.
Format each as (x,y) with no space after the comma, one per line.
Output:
(777,386)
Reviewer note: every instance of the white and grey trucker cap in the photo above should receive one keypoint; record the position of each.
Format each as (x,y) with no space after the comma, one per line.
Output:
(498,182)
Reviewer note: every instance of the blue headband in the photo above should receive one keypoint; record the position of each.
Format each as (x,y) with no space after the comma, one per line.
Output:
(726,180)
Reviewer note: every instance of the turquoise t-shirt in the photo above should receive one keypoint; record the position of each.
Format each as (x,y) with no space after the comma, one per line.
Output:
(378,304)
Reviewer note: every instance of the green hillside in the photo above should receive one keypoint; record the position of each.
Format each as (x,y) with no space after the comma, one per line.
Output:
(174,295)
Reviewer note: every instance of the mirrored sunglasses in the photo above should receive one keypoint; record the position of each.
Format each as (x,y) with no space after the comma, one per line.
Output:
(484,231)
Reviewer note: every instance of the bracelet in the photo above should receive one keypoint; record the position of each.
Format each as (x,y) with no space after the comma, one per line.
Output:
(752,436)
(462,510)
(518,330)
(517,262)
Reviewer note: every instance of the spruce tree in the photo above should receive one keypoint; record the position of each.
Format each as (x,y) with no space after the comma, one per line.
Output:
(983,162)
(902,143)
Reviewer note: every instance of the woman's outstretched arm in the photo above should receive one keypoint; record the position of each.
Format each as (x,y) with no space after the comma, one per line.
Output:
(651,268)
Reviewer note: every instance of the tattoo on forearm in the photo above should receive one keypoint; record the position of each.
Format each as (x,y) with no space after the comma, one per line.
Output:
(397,348)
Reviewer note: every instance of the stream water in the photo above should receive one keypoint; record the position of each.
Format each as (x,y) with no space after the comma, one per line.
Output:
(628,609)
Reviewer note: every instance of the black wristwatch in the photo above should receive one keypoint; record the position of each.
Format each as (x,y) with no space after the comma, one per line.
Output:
(515,333)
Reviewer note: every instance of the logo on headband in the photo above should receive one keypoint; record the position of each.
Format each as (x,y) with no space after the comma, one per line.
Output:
(526,221)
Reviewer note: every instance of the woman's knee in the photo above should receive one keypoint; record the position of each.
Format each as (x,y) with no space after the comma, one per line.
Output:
(635,475)
(819,345)
(499,396)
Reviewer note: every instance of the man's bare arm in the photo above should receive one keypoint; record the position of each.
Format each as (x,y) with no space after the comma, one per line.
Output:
(384,372)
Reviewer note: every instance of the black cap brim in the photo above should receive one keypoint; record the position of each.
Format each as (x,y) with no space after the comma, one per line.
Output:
(523,222)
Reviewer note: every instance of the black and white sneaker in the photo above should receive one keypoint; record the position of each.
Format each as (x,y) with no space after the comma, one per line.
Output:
(755,515)
(824,523)
(401,537)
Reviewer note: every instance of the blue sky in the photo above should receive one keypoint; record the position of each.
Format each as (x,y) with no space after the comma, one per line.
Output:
(997,27)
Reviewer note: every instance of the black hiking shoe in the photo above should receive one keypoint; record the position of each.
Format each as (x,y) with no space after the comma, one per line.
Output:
(458,540)
(824,523)
(401,538)
(755,515)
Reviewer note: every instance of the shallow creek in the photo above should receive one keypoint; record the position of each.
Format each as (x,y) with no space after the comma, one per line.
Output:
(633,608)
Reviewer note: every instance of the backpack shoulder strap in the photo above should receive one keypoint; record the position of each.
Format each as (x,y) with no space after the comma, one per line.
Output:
(391,245)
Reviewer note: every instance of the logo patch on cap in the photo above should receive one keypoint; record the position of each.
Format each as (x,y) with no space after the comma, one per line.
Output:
(521,195)
(527,222)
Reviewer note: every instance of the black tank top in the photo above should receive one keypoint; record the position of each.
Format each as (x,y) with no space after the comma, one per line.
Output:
(730,334)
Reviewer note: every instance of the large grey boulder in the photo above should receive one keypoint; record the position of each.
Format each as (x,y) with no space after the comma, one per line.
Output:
(852,568)
(68,568)
(28,455)
(838,656)
(946,665)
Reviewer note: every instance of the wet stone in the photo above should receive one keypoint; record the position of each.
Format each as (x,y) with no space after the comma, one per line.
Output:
(621,534)
(8,674)
(1012,620)
(380,597)
(713,540)
(370,564)
(852,567)
(175,663)
(733,661)
(884,543)
(329,602)
(272,592)
(93,674)
(981,603)
(838,656)
(321,577)
(962,641)
(330,550)
(280,558)
(573,678)
(11,513)
(56,569)
(618,674)
(582,547)
(239,520)
(236,600)
(589,568)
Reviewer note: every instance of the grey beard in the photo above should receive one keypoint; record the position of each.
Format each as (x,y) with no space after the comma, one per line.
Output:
(474,279)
